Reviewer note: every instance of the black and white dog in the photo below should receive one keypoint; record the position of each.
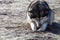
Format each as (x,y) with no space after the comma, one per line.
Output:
(39,15)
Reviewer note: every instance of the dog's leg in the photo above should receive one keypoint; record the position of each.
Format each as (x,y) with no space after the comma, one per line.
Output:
(33,26)
(32,23)
(51,18)
(44,23)
(43,27)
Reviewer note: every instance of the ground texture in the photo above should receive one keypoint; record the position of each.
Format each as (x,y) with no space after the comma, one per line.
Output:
(13,21)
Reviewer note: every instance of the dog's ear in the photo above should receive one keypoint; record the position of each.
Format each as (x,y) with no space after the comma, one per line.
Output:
(32,5)
(30,10)
(46,5)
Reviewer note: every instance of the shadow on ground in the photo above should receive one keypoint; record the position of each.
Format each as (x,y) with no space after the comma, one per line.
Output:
(55,28)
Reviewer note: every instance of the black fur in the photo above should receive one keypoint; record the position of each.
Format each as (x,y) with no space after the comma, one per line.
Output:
(39,9)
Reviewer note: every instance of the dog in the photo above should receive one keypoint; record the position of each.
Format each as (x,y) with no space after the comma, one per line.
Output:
(39,15)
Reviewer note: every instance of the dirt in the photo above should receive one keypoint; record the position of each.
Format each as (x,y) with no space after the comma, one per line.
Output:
(13,27)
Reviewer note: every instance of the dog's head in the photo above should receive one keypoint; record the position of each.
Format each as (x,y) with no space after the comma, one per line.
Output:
(38,9)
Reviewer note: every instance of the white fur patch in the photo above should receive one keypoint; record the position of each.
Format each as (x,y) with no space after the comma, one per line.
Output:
(33,26)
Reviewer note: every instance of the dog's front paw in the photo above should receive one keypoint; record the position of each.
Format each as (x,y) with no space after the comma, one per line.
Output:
(41,30)
(43,27)
(33,26)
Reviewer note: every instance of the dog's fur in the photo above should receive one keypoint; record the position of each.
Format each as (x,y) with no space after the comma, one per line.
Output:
(39,15)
